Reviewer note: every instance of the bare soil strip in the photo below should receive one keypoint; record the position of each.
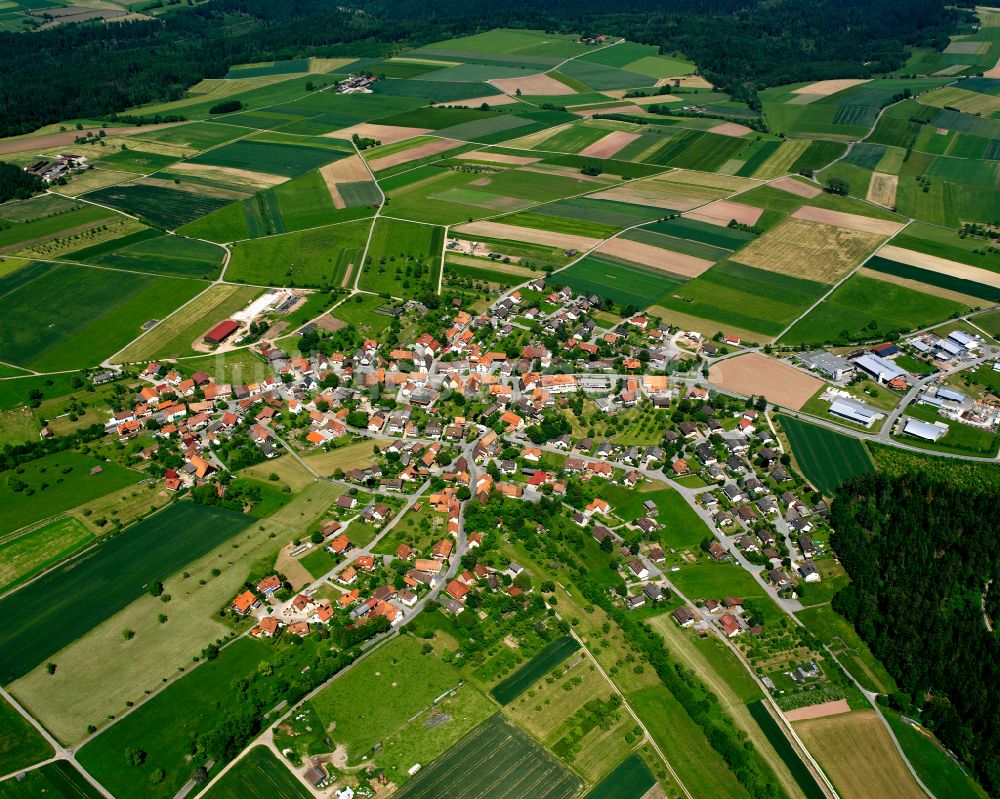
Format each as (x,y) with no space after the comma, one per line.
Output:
(828,87)
(497,158)
(609,145)
(414,153)
(730,129)
(796,187)
(756,374)
(818,711)
(722,212)
(499,230)
(387,134)
(863,224)
(647,255)
(941,265)
(994,71)
(540,84)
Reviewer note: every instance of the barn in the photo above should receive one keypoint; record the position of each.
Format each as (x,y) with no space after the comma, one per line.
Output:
(221,332)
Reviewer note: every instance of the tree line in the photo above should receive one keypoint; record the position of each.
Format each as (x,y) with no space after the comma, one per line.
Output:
(90,70)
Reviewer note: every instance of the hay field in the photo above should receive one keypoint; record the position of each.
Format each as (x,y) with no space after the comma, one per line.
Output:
(809,250)
(963,100)
(647,255)
(756,374)
(855,750)
(797,187)
(882,189)
(499,230)
(941,265)
(825,88)
(387,134)
(413,153)
(781,160)
(862,224)
(609,145)
(721,212)
(540,84)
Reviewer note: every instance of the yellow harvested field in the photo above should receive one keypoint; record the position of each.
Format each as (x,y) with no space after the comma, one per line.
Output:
(216,89)
(328,64)
(882,189)
(647,255)
(537,139)
(809,250)
(387,134)
(540,84)
(609,145)
(406,59)
(499,230)
(819,711)
(728,183)
(498,158)
(963,100)
(828,87)
(941,265)
(688,81)
(253,180)
(668,196)
(780,161)
(857,753)
(490,100)
(346,170)
(862,224)
(721,212)
(414,153)
(730,129)
(630,108)
(796,187)
(651,99)
(754,374)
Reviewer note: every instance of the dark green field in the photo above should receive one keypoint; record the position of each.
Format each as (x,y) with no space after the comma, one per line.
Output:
(258,775)
(494,761)
(21,745)
(630,780)
(159,205)
(827,459)
(781,745)
(103,308)
(621,283)
(152,251)
(506,691)
(272,158)
(58,608)
(59,780)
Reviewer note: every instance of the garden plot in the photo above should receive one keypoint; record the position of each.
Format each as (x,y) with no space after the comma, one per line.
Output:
(809,250)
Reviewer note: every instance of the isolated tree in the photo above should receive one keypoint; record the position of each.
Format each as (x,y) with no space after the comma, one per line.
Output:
(836,185)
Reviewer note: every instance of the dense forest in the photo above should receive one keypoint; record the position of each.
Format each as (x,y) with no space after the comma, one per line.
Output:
(16,184)
(93,70)
(921,555)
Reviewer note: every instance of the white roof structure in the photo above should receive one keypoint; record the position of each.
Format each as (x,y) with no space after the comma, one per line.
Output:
(854,411)
(963,338)
(924,430)
(950,347)
(950,394)
(880,368)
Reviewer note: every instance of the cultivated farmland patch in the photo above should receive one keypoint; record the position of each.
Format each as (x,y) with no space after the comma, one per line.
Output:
(826,458)
(754,374)
(675,263)
(862,224)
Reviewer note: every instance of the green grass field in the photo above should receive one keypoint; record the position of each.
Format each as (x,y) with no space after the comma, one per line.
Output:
(151,251)
(54,484)
(59,780)
(531,672)
(28,555)
(258,775)
(102,307)
(827,459)
(836,632)
(159,205)
(68,601)
(321,257)
(405,682)
(271,157)
(404,259)
(21,744)
(630,779)
(50,225)
(848,313)
(496,760)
